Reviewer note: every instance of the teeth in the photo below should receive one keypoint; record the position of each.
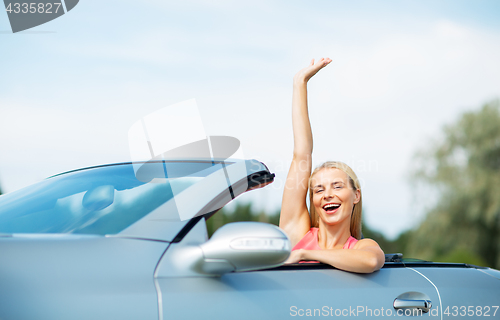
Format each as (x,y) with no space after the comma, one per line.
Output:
(331,206)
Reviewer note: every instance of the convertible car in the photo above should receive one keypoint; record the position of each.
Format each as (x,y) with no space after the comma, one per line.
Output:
(129,241)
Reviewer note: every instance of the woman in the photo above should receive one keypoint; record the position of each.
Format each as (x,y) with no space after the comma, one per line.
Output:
(334,223)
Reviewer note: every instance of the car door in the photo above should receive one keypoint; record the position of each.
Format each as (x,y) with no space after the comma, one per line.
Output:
(465,291)
(289,291)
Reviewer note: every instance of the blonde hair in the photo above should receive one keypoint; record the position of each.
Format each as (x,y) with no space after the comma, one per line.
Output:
(354,182)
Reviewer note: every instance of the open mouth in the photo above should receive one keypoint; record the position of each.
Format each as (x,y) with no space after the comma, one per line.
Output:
(331,207)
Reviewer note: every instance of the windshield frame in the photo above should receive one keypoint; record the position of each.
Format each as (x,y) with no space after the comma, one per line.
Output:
(255,172)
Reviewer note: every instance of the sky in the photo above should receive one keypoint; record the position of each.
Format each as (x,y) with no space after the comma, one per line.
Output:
(71,89)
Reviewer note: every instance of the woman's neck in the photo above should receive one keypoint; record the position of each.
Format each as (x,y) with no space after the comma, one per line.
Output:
(333,236)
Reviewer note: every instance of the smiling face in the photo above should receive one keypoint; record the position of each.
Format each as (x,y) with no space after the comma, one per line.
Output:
(333,196)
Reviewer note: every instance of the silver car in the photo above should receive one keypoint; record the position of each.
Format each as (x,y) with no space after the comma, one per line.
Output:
(129,241)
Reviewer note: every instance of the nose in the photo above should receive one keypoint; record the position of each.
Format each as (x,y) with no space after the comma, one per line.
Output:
(328,194)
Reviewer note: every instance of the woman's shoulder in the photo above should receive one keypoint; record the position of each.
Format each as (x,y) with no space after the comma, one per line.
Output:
(362,243)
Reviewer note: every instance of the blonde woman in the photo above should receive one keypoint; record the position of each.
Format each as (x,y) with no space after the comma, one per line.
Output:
(331,231)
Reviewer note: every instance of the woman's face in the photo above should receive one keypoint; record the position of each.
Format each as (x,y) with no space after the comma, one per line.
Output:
(333,196)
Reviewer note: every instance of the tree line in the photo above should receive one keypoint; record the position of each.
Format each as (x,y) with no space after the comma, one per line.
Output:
(461,170)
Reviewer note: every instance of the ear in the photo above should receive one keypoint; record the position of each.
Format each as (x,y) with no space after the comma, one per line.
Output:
(357,195)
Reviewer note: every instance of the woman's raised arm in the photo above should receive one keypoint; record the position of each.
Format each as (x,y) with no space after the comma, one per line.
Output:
(294,217)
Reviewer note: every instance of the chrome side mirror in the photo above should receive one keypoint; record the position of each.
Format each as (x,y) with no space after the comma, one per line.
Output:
(247,246)
(238,246)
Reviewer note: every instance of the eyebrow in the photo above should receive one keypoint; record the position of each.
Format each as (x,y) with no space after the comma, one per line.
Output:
(320,185)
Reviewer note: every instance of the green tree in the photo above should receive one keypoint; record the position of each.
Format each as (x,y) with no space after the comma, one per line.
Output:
(242,212)
(388,246)
(462,171)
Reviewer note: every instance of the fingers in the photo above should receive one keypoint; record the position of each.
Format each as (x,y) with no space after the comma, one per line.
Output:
(324,61)
(305,74)
(292,258)
(290,261)
(318,65)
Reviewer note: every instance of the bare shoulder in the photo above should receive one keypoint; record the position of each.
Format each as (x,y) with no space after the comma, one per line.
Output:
(373,251)
(366,243)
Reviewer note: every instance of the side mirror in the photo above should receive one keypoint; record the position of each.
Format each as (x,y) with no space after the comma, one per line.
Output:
(246,246)
(238,246)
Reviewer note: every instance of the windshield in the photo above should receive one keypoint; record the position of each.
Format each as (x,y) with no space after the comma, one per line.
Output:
(101,200)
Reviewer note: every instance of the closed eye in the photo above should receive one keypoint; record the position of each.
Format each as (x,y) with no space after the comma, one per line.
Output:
(338,185)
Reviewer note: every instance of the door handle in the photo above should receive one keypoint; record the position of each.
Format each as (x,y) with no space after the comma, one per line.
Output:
(424,305)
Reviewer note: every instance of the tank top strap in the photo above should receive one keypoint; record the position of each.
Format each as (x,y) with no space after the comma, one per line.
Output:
(309,241)
(350,243)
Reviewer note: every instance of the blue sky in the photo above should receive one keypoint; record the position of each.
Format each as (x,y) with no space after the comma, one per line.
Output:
(70,89)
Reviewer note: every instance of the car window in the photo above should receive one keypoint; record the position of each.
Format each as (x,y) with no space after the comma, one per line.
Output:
(101,200)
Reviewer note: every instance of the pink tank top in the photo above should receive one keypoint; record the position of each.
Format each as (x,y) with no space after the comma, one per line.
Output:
(310,241)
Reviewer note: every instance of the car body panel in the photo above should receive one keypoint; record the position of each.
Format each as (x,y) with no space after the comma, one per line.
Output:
(462,287)
(282,292)
(78,277)
(492,272)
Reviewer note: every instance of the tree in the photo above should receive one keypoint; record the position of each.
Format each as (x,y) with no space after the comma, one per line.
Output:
(242,212)
(388,246)
(462,170)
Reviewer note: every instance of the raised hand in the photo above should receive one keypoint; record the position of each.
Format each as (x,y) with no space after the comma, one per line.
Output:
(294,218)
(308,72)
